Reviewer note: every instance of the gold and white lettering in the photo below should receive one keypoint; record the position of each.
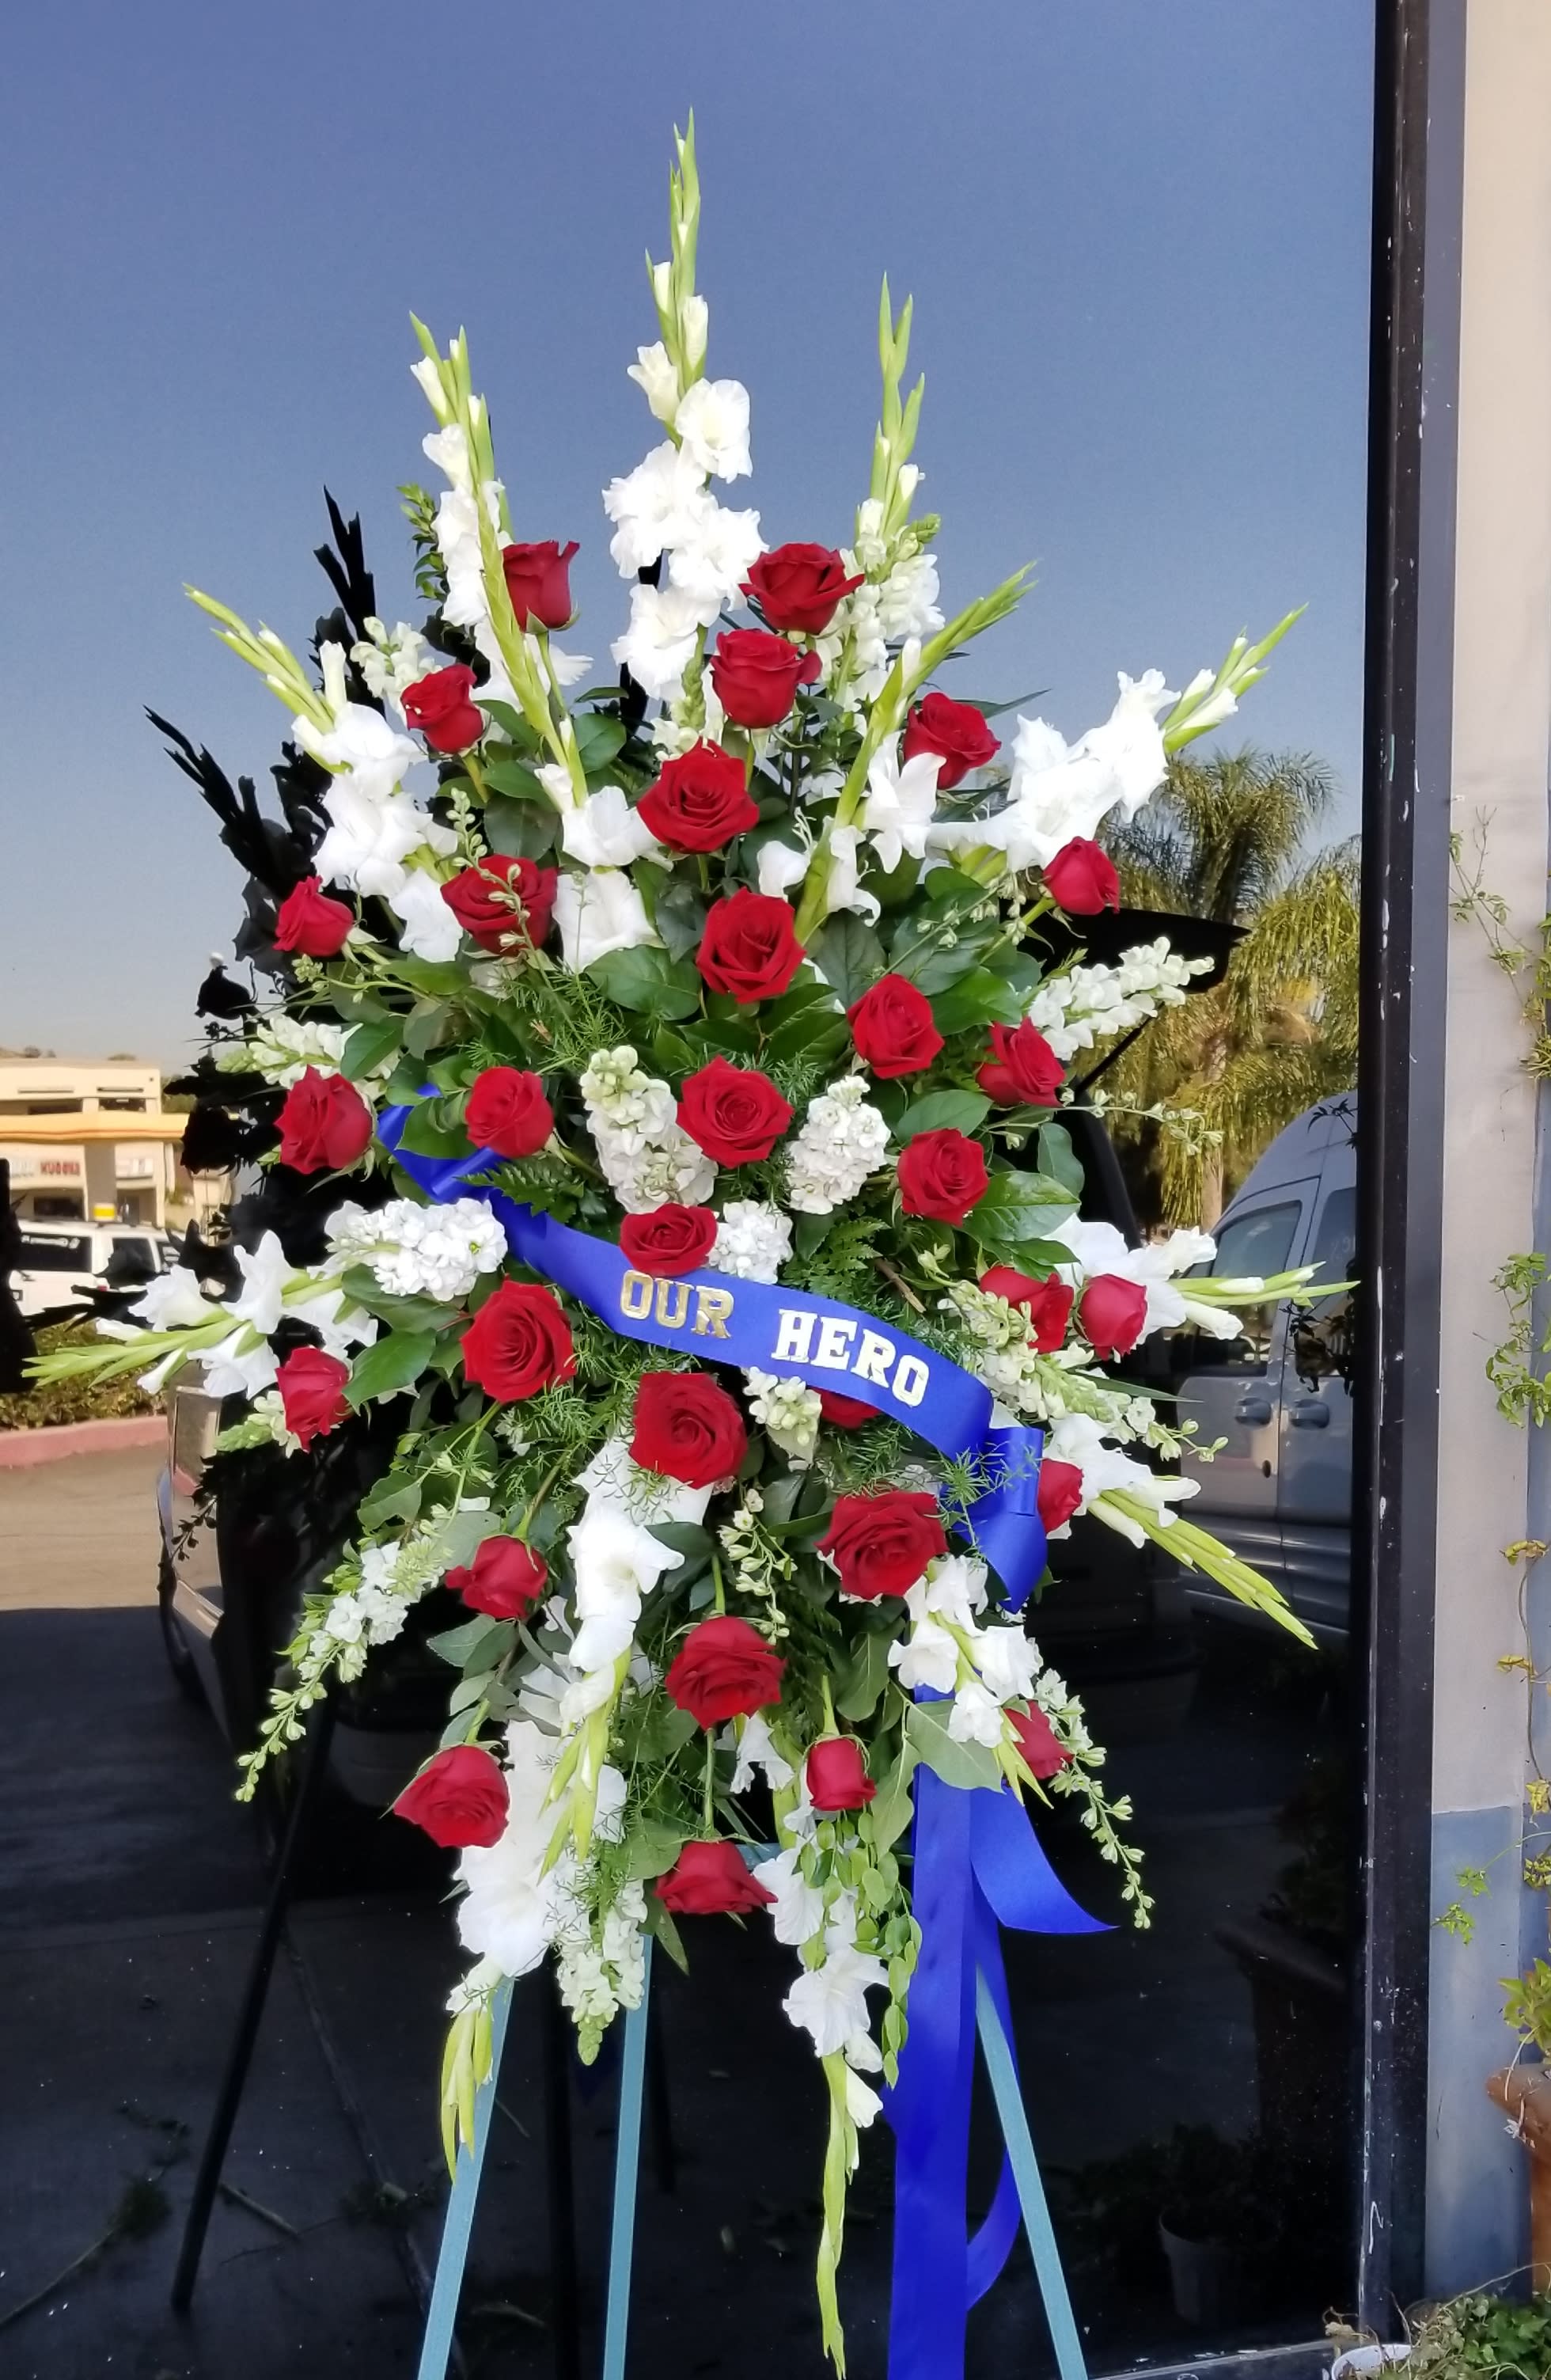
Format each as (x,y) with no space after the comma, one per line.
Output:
(672,1303)
(833,1349)
(712,1308)
(874,1357)
(636,1291)
(910,1380)
(794,1337)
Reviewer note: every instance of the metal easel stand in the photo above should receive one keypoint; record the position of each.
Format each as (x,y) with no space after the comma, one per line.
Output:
(448,2284)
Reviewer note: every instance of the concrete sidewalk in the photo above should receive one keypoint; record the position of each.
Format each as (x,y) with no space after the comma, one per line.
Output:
(80,1534)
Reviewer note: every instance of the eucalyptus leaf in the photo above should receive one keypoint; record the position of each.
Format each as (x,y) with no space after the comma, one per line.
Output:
(389,1367)
(965,1766)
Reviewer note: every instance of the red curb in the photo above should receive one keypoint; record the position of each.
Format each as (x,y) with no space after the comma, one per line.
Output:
(19,1447)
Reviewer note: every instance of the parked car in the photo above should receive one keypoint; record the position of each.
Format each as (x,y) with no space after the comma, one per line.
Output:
(1278,1396)
(57,1265)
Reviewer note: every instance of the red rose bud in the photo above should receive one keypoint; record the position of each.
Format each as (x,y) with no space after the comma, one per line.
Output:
(1037,1742)
(309,922)
(881,1543)
(956,732)
(538,580)
(1059,1492)
(800,587)
(942,1175)
(324,1125)
(757,676)
(441,707)
(1112,1312)
(700,801)
(504,904)
(837,1775)
(749,947)
(506,1111)
(688,1427)
(1082,880)
(505,1579)
(459,1799)
(670,1240)
(1047,1303)
(894,1028)
(724,1669)
(311,1388)
(846,1412)
(735,1114)
(518,1342)
(711,1880)
(1022,1070)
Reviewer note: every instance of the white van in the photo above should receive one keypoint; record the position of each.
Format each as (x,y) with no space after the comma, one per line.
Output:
(59,1264)
(1279,1491)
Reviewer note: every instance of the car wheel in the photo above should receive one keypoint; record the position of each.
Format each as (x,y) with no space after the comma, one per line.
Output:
(180,1660)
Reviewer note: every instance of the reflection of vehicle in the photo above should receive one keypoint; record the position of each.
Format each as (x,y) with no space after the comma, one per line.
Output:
(57,1264)
(1278,1396)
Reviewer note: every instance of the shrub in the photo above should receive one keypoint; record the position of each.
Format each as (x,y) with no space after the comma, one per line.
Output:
(47,1404)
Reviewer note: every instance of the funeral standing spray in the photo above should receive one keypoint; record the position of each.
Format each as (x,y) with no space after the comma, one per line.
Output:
(692,1047)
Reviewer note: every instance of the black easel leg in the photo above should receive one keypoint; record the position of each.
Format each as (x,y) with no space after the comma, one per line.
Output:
(660,2108)
(240,2056)
(561,2192)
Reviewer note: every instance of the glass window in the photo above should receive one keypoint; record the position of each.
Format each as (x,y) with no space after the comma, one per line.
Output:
(129,1261)
(49,1252)
(1334,1239)
(1322,1339)
(1249,1244)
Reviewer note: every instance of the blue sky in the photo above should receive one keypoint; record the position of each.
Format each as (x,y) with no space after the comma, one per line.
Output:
(1136,236)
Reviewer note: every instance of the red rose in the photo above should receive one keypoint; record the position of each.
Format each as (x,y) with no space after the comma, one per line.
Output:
(503,902)
(942,1175)
(724,1669)
(735,1114)
(837,1775)
(846,1412)
(324,1125)
(700,801)
(749,947)
(537,582)
(757,676)
(1048,1302)
(1036,1742)
(459,1798)
(687,1427)
(311,1388)
(893,1027)
(670,1240)
(506,1111)
(710,1879)
(1060,1491)
(311,922)
(1022,1070)
(955,731)
(800,587)
(505,1579)
(1082,879)
(1112,1312)
(439,706)
(880,1544)
(518,1342)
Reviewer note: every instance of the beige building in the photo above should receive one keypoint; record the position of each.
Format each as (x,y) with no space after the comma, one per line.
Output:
(87,1140)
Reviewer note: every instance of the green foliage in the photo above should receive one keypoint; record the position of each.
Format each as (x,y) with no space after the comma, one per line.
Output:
(1484,2335)
(88,1396)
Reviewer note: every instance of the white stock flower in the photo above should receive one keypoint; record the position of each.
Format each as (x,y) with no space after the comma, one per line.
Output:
(753,1240)
(900,803)
(660,641)
(712,423)
(637,1106)
(788,1410)
(421,1251)
(597,913)
(431,929)
(654,506)
(655,372)
(841,1144)
(673,1171)
(605,832)
(830,2002)
(710,564)
(174,1301)
(797,1911)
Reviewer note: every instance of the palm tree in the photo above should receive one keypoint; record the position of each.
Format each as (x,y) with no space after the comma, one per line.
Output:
(1223,839)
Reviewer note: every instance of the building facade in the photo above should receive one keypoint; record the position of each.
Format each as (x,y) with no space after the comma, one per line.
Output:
(70,1154)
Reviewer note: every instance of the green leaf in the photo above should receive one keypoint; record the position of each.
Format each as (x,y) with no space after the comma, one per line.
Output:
(391,1499)
(686,1538)
(679,914)
(370,1045)
(513,725)
(424,1029)
(980,998)
(476,1644)
(660,1926)
(388,1369)
(518,830)
(944,1112)
(417,1313)
(892,1809)
(434,1128)
(848,955)
(599,739)
(514,778)
(1057,1159)
(935,969)
(648,981)
(864,1680)
(965,1764)
(441,980)
(1018,1206)
(651,1849)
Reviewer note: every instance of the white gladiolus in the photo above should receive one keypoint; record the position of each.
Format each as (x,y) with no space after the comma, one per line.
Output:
(1058,792)
(900,799)
(656,504)
(174,1301)
(656,373)
(797,1911)
(713,423)
(370,838)
(430,930)
(710,564)
(605,832)
(1100,1248)
(598,912)
(830,2000)
(661,639)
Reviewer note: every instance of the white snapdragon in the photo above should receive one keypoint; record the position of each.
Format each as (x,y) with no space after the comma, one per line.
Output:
(1090,1003)
(712,424)
(753,1240)
(842,1142)
(855,635)
(597,1973)
(392,660)
(788,1410)
(661,639)
(417,1251)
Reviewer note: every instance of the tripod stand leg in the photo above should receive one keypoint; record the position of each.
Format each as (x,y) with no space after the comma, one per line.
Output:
(458,2222)
(1014,2120)
(561,2188)
(240,2055)
(627,2166)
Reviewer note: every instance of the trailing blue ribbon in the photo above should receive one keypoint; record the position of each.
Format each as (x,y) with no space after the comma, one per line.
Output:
(767,1327)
